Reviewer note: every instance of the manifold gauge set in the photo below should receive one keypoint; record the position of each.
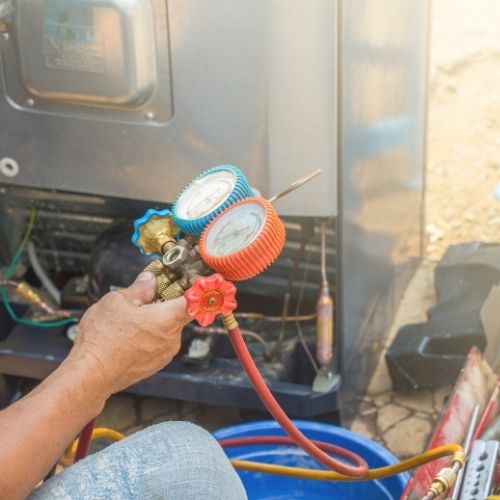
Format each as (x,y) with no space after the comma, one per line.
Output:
(217,224)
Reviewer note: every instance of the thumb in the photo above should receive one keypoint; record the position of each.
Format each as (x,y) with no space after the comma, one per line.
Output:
(142,290)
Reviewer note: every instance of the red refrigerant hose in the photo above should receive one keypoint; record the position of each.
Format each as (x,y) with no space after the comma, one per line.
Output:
(357,471)
(313,448)
(285,440)
(82,450)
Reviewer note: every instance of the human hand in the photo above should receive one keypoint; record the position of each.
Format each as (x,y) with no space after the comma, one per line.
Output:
(127,339)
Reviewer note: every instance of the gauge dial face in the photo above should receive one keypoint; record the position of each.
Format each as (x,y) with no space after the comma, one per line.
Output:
(204,195)
(235,229)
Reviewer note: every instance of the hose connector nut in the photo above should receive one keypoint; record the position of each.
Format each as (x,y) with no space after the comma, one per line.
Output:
(458,458)
(443,481)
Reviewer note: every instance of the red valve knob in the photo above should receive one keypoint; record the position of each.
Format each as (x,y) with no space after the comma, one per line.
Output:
(210,296)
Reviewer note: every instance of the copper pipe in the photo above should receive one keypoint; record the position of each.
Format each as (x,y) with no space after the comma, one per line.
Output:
(276,319)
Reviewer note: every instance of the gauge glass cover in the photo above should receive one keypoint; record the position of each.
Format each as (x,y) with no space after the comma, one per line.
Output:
(204,195)
(235,229)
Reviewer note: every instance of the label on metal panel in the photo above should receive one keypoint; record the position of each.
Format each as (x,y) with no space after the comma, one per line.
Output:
(69,39)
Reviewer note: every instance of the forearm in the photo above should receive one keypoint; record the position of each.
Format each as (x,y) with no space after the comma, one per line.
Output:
(35,430)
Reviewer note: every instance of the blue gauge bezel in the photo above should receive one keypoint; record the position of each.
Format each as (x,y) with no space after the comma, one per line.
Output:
(240,191)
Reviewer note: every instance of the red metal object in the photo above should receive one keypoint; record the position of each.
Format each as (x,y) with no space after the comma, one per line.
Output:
(210,296)
(475,386)
(489,414)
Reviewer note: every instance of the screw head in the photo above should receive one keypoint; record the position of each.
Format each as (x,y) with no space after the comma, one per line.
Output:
(150,116)
(30,102)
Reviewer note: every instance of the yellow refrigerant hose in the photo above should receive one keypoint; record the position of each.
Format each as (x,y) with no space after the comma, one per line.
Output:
(379,473)
(454,450)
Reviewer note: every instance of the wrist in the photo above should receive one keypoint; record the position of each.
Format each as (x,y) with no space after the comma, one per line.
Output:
(87,374)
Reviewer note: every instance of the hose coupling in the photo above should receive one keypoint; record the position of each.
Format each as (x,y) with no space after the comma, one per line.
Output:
(229,321)
(443,482)
(458,460)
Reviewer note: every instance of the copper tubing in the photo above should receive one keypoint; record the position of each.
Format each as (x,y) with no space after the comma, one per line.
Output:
(276,319)
(26,292)
(8,283)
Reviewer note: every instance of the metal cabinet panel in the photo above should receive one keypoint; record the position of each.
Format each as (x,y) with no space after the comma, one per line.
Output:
(383,93)
(253,84)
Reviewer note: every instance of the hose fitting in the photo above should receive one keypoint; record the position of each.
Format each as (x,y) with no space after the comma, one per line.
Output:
(445,479)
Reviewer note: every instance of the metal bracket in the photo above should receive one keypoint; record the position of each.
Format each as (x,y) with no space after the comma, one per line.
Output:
(480,470)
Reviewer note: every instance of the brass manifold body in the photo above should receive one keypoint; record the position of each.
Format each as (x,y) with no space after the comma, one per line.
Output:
(178,267)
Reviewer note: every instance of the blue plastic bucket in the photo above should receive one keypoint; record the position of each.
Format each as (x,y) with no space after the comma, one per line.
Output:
(272,487)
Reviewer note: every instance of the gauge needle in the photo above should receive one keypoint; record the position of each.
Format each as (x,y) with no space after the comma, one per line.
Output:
(234,233)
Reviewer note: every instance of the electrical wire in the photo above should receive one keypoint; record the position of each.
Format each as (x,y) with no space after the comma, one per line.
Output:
(47,283)
(8,274)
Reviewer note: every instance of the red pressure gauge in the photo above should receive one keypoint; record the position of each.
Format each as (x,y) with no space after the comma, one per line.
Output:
(243,240)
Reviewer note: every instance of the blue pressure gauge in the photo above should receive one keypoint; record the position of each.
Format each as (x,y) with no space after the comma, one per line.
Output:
(208,195)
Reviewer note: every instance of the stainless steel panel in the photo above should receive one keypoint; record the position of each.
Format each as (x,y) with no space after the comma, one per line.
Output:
(383,93)
(253,84)
(106,59)
(92,52)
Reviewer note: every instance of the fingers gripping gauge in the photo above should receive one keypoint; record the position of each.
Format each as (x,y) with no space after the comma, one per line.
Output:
(243,240)
(208,195)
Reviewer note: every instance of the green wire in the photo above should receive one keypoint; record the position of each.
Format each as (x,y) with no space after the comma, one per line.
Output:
(8,274)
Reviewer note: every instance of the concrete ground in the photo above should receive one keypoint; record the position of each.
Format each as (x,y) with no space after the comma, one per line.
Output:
(403,422)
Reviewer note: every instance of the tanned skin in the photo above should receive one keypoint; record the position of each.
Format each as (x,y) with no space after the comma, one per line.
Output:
(121,340)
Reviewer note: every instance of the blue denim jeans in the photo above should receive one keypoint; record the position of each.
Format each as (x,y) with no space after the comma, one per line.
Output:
(171,461)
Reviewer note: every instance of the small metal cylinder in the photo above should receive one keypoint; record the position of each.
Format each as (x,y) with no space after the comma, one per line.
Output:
(324,328)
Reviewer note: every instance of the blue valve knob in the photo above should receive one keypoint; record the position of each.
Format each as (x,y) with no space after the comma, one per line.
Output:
(153,230)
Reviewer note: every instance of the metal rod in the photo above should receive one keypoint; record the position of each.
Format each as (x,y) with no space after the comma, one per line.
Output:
(466,446)
(324,276)
(298,183)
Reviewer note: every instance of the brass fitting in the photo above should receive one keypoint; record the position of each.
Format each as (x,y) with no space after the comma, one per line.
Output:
(28,294)
(158,232)
(445,479)
(229,321)
(172,292)
(458,460)
(155,267)
(178,268)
